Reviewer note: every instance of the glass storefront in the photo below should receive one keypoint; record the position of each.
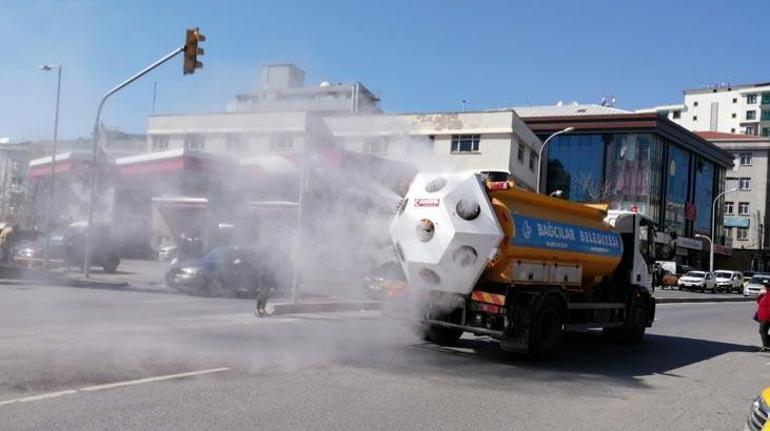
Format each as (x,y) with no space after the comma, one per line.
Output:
(678,171)
(633,167)
(575,166)
(704,195)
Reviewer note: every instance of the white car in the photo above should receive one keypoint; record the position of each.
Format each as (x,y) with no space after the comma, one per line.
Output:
(697,280)
(755,284)
(166,253)
(729,281)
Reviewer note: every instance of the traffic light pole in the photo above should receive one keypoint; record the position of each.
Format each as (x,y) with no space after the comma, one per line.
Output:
(95,154)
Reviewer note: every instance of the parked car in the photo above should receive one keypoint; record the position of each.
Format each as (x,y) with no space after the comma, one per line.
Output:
(29,254)
(698,280)
(166,252)
(104,249)
(747,276)
(755,284)
(386,281)
(224,271)
(760,410)
(729,281)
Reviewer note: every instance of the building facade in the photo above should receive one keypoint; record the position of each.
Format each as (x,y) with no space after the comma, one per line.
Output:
(638,162)
(746,208)
(742,109)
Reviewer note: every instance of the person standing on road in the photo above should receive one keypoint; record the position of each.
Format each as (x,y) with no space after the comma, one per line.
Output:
(6,243)
(763,316)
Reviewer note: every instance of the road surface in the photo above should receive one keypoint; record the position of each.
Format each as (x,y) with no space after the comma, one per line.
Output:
(85,359)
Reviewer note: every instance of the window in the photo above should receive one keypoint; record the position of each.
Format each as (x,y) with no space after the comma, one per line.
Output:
(159,143)
(732,130)
(751,115)
(465,143)
(376,147)
(521,153)
(766,131)
(765,99)
(743,208)
(694,103)
(742,234)
(532,160)
(728,207)
(194,142)
(728,233)
(765,115)
(735,100)
(751,99)
(751,130)
(281,143)
(744,184)
(735,115)
(677,115)
(745,159)
(694,118)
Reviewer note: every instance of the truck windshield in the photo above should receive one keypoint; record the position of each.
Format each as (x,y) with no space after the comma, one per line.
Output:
(646,234)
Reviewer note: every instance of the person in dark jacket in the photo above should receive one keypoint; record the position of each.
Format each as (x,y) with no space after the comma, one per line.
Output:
(763,317)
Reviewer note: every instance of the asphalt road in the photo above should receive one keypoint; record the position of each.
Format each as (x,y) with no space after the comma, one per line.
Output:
(86,359)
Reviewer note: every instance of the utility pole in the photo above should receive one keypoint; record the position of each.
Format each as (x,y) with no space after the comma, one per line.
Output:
(49,208)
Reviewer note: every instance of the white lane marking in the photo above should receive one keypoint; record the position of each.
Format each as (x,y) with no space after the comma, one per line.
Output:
(39,397)
(50,395)
(152,379)
(686,304)
(163,301)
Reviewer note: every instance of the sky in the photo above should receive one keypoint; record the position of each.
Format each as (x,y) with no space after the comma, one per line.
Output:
(415,55)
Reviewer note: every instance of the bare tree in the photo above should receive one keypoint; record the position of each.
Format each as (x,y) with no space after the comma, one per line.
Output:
(594,190)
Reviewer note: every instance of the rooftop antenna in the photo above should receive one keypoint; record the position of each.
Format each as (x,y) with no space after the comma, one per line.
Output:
(463,105)
(608,100)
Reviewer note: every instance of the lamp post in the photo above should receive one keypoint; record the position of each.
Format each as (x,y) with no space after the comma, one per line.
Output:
(711,250)
(51,193)
(540,153)
(713,226)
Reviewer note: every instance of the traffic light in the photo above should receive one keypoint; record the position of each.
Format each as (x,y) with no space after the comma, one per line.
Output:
(191,51)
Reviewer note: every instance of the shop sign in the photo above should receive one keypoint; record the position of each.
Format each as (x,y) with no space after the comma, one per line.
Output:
(720,249)
(690,243)
(736,221)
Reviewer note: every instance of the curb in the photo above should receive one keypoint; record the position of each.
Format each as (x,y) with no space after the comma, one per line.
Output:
(701,300)
(325,307)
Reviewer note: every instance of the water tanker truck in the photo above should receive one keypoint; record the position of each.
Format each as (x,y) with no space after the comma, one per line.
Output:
(522,267)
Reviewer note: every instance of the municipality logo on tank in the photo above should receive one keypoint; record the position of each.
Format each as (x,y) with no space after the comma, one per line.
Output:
(527,230)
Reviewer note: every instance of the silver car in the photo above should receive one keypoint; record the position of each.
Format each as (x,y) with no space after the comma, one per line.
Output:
(755,284)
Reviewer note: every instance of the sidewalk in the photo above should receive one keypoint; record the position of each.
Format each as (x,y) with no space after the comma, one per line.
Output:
(669,296)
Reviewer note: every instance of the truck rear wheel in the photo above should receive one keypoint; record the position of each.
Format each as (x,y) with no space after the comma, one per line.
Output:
(546,329)
(636,323)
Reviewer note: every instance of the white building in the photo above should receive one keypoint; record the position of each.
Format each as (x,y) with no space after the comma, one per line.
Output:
(746,210)
(725,108)
(279,120)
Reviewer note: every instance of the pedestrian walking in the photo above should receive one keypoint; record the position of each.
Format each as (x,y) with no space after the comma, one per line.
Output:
(763,316)
(6,243)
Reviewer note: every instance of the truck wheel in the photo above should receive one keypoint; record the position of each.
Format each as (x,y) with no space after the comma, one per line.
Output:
(546,329)
(636,323)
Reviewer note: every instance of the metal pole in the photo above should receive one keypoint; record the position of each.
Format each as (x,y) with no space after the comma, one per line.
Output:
(95,153)
(51,191)
(713,226)
(298,234)
(154,95)
(540,153)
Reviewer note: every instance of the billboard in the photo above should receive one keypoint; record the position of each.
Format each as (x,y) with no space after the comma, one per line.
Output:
(736,221)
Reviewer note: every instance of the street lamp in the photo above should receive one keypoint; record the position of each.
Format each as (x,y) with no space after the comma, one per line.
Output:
(713,225)
(711,250)
(49,202)
(540,153)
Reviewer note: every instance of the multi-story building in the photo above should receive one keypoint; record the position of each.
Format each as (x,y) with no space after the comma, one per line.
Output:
(640,162)
(745,209)
(725,108)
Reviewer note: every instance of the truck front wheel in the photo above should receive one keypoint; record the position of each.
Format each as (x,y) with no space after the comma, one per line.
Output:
(636,323)
(546,329)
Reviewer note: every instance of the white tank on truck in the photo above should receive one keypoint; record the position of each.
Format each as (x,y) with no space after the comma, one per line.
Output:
(522,267)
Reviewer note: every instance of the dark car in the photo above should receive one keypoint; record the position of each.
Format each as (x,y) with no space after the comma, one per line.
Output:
(104,249)
(224,271)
